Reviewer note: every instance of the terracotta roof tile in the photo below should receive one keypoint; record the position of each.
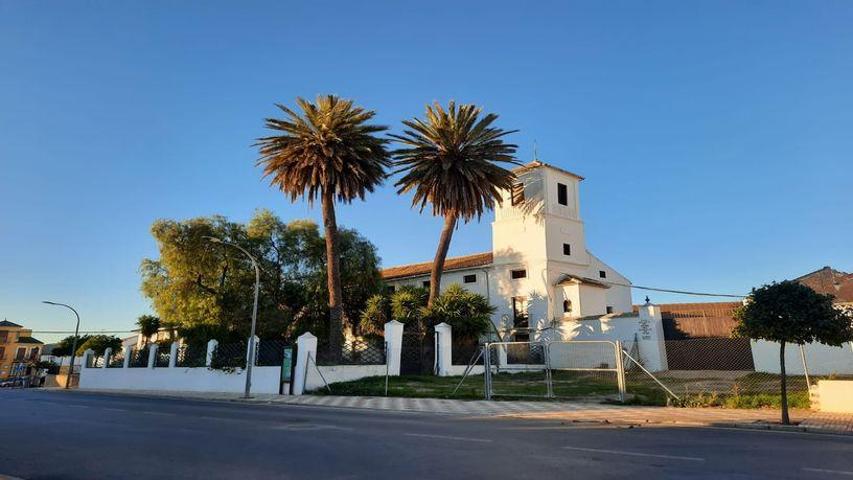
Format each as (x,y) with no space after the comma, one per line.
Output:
(452,263)
(830,281)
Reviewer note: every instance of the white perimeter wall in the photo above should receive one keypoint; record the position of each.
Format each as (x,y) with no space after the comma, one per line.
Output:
(821,359)
(340,373)
(197,379)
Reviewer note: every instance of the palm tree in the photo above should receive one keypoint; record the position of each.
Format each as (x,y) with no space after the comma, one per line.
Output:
(452,161)
(330,151)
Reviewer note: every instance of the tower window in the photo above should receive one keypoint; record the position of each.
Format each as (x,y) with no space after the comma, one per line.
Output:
(470,278)
(562,194)
(567,306)
(602,274)
(517,194)
(567,249)
(516,274)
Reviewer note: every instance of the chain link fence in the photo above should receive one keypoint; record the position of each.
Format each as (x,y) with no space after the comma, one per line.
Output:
(733,373)
(191,356)
(356,352)
(138,357)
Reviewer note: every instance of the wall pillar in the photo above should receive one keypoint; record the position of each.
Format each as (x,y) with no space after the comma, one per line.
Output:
(85,360)
(652,344)
(107,354)
(444,353)
(173,354)
(152,354)
(394,344)
(127,351)
(306,344)
(211,347)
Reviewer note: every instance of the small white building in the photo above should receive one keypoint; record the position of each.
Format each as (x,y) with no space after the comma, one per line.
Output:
(539,272)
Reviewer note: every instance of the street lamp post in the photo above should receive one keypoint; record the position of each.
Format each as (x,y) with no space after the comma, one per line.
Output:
(73,343)
(251,360)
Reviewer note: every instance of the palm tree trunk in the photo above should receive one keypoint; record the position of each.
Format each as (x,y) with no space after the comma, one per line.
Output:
(440,256)
(333,275)
(785,419)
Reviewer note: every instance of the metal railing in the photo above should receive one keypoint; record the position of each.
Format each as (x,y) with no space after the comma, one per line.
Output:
(191,356)
(354,353)
(138,358)
(161,360)
(116,360)
(229,356)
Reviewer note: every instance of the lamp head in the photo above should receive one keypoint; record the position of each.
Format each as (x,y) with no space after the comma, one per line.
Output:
(47,302)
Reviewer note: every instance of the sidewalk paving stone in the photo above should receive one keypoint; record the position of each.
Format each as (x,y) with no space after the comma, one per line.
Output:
(573,412)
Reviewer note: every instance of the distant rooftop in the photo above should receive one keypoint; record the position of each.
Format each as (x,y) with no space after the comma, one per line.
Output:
(7,323)
(452,263)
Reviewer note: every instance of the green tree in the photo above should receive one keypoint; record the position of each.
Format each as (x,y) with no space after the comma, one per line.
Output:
(330,151)
(148,326)
(452,161)
(205,291)
(99,343)
(63,347)
(469,313)
(789,312)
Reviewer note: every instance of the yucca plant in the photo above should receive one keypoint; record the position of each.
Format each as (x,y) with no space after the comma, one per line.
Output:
(452,160)
(329,151)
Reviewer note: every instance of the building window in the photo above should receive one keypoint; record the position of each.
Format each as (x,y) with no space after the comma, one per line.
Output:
(21,354)
(2,353)
(609,309)
(425,283)
(517,194)
(520,318)
(516,274)
(562,194)
(602,274)
(567,249)
(390,289)
(567,306)
(470,278)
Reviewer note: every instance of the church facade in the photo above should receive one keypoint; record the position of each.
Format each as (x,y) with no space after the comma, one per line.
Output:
(539,272)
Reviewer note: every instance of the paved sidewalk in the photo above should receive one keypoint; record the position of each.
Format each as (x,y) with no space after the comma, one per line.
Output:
(574,412)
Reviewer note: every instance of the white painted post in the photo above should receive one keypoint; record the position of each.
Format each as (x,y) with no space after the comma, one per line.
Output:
(444,355)
(305,344)
(652,344)
(394,341)
(85,360)
(127,351)
(173,354)
(152,354)
(257,340)
(107,352)
(211,347)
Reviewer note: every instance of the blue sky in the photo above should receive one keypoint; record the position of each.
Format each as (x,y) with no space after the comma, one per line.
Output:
(715,136)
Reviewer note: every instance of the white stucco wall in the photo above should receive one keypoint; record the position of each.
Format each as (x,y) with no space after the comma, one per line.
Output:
(198,379)
(821,359)
(340,373)
(835,396)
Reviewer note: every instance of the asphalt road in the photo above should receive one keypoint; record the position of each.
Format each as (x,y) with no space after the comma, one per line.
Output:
(51,434)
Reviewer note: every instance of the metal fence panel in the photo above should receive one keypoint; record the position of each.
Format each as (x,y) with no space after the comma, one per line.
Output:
(583,369)
(520,370)
(356,352)
(191,356)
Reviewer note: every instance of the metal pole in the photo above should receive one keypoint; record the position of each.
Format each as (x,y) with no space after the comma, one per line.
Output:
(251,358)
(620,371)
(73,342)
(805,367)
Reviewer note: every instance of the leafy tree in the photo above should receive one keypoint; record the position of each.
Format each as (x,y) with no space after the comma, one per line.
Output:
(148,326)
(790,312)
(206,291)
(99,343)
(452,161)
(467,312)
(330,151)
(63,347)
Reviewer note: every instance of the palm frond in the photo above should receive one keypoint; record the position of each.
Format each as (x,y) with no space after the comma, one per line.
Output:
(452,160)
(329,144)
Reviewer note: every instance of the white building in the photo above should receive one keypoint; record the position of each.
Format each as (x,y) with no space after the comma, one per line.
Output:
(539,272)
